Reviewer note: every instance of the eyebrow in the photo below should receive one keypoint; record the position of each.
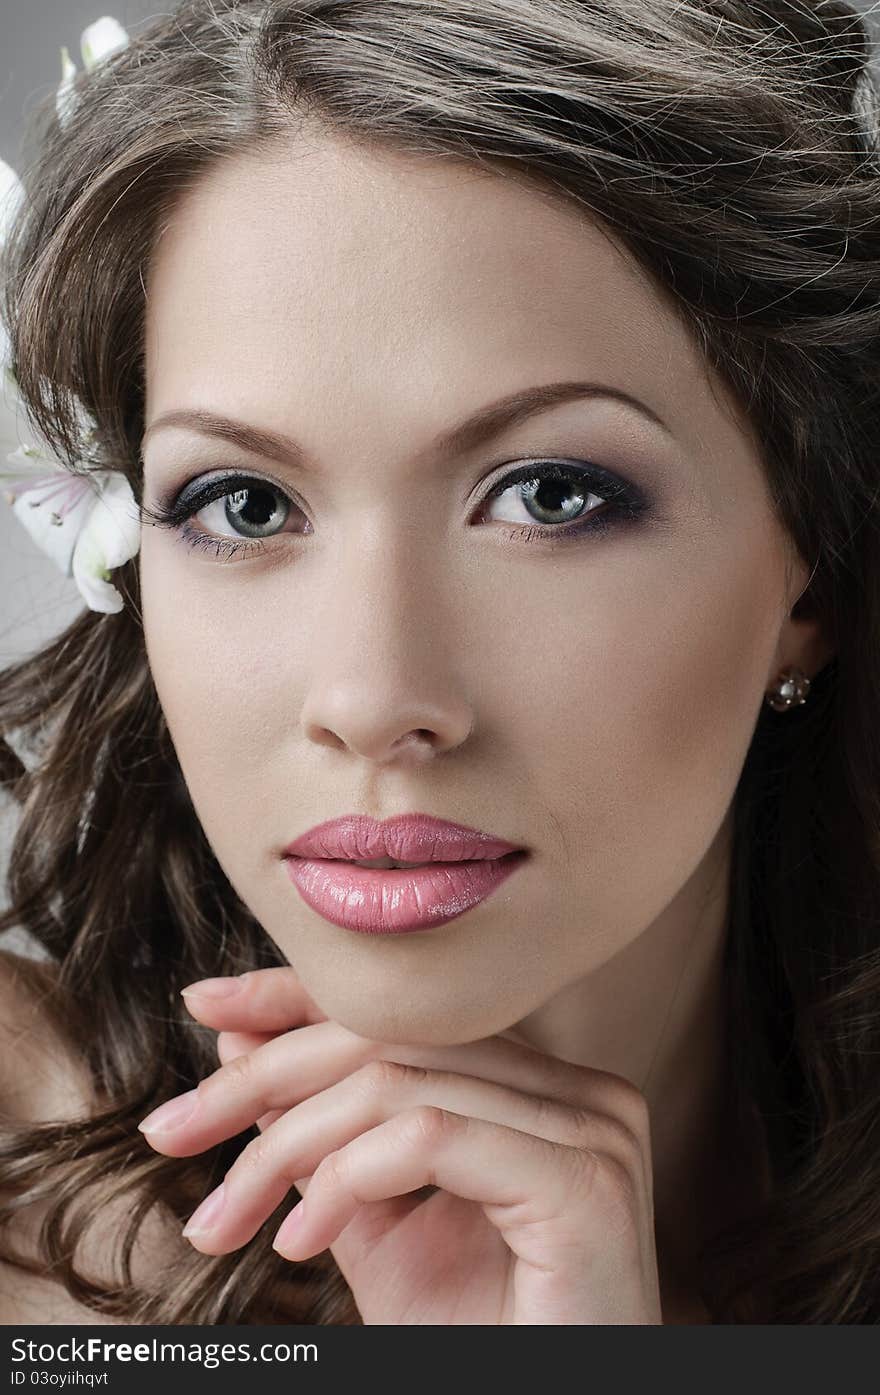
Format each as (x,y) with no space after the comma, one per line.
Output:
(487,422)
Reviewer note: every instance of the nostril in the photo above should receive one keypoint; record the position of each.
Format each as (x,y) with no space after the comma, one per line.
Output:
(419,743)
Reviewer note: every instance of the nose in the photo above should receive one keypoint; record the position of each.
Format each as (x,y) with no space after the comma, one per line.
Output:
(385,683)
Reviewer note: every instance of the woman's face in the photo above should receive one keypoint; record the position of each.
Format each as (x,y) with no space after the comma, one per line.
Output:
(587,695)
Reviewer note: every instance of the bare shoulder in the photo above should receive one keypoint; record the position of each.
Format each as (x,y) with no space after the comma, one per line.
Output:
(42,1078)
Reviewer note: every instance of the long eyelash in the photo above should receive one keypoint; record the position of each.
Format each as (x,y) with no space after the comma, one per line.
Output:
(623,503)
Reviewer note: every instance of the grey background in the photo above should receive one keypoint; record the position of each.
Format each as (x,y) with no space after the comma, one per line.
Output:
(36,601)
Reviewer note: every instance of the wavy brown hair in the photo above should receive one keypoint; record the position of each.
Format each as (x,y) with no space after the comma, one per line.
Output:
(732,147)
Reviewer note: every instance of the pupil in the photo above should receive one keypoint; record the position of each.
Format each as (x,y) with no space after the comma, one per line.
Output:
(557,490)
(254,508)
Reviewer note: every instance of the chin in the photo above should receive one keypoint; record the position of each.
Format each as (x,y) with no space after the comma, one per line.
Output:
(410,1024)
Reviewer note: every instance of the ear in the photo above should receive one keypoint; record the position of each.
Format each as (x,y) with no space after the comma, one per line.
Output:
(804,641)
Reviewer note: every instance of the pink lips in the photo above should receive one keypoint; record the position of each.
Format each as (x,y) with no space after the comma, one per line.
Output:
(467,866)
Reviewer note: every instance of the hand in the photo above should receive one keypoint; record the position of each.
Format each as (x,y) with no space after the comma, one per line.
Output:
(542,1202)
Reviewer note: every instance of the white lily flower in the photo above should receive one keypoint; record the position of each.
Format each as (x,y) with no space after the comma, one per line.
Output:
(87,524)
(100,39)
(97,42)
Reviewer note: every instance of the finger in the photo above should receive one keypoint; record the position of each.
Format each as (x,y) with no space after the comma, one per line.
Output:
(297,1143)
(508,1062)
(295,1065)
(274,1076)
(263,1000)
(555,1206)
(233,1044)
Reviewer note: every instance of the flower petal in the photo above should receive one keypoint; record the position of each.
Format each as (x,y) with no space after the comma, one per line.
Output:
(97,593)
(100,39)
(55,512)
(115,523)
(65,93)
(110,536)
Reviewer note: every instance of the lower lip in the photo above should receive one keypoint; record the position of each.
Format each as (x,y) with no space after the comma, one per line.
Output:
(386,901)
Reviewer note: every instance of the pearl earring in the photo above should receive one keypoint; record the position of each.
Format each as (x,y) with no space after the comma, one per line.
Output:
(789,690)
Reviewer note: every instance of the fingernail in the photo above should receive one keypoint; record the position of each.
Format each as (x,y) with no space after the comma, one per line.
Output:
(171,1115)
(213,987)
(290,1227)
(202,1220)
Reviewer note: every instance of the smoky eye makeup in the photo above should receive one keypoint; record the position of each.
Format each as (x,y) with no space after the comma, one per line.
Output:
(250,503)
(557,500)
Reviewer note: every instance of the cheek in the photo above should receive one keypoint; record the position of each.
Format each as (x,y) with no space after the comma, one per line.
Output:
(206,646)
(641,734)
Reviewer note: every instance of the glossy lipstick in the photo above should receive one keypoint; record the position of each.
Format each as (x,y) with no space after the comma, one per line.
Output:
(465,866)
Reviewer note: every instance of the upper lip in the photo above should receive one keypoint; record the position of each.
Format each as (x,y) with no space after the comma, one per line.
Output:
(405,838)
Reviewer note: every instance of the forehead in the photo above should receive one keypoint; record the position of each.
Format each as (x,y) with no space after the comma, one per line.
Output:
(328,275)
